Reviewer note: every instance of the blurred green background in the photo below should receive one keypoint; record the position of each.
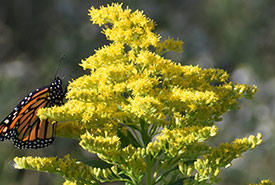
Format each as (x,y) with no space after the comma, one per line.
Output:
(235,35)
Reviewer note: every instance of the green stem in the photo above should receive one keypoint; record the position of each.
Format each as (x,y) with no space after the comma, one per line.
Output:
(164,175)
(148,170)
(132,178)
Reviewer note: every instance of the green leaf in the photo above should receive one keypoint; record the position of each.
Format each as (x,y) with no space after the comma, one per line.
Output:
(97,163)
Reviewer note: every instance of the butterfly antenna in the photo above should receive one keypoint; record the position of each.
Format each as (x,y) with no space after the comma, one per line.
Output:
(66,76)
(59,63)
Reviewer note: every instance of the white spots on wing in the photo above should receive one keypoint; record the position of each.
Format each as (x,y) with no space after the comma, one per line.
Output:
(6,121)
(14,117)
(5,130)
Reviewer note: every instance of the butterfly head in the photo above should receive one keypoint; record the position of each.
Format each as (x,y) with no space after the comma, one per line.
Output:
(56,92)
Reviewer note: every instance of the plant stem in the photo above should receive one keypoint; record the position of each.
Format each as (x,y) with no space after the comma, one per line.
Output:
(148,170)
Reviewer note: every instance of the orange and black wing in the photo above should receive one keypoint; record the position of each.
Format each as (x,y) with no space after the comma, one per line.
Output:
(24,127)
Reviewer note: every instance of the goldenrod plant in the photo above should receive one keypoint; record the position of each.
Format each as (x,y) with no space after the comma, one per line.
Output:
(146,117)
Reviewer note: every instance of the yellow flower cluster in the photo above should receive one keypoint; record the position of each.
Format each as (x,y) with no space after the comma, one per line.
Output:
(265,182)
(71,129)
(179,142)
(124,26)
(67,167)
(128,158)
(169,45)
(146,116)
(215,158)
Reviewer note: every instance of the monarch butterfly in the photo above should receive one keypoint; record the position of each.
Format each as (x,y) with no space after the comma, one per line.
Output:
(24,127)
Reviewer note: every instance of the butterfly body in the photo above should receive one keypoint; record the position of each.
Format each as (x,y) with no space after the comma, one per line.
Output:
(24,127)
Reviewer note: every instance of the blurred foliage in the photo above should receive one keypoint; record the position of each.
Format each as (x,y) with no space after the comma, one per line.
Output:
(235,35)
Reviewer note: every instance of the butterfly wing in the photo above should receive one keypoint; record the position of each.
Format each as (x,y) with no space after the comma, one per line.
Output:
(5,132)
(24,127)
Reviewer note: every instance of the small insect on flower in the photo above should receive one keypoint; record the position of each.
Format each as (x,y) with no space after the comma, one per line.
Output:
(24,127)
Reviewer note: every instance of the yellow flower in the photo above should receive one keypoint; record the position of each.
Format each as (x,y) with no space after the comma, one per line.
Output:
(169,45)
(265,182)
(133,29)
